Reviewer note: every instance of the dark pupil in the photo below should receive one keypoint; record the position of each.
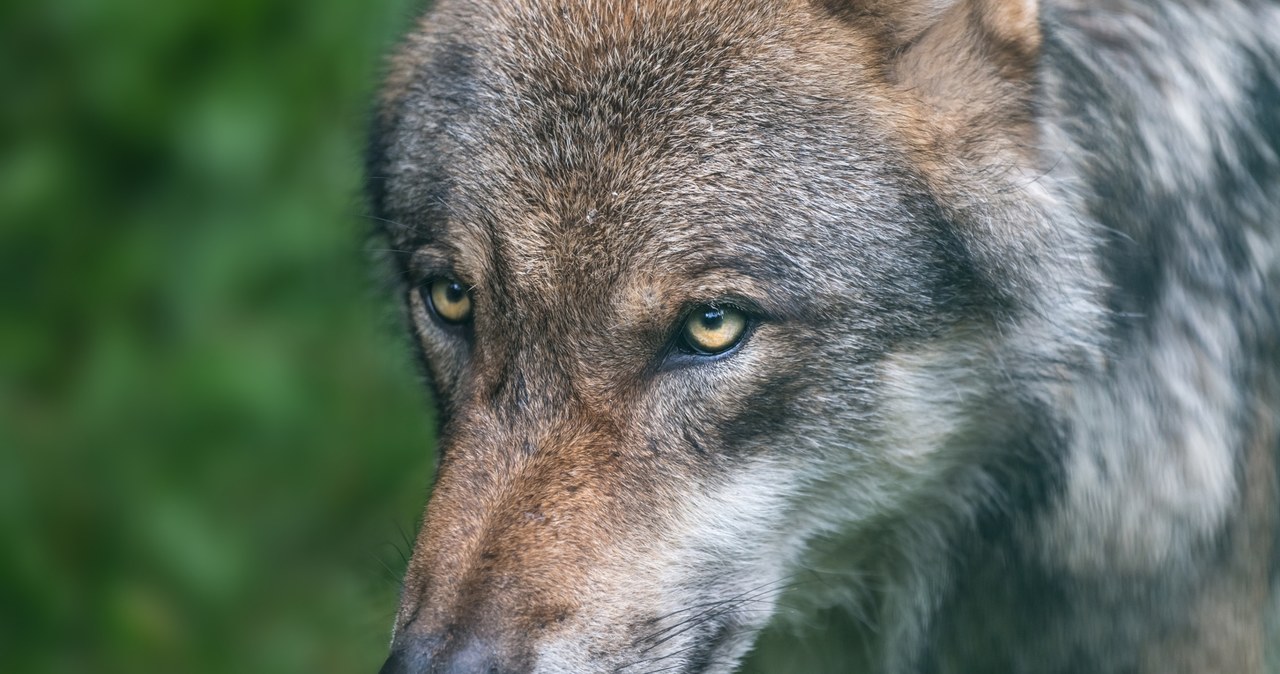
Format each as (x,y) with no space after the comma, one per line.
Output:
(712,319)
(454,292)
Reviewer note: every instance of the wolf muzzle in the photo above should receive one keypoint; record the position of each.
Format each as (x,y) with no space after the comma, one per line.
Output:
(439,655)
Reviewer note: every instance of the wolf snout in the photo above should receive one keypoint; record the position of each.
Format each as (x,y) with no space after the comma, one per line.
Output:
(433,655)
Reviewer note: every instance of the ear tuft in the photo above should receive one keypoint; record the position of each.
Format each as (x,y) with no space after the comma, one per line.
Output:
(975,63)
(1011,24)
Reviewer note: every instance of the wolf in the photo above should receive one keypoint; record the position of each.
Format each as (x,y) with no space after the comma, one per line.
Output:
(960,318)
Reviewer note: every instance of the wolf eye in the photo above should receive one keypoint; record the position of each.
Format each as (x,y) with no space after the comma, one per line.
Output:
(713,330)
(449,300)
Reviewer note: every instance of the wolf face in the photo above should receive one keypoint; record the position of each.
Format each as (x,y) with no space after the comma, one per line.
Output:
(710,291)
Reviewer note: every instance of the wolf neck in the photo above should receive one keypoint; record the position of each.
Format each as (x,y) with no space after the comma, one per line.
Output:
(1162,121)
(1165,118)
(1169,116)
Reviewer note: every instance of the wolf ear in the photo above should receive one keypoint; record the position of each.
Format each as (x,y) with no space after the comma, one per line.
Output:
(973,62)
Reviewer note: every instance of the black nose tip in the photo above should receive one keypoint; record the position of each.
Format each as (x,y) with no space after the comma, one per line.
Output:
(402,663)
(416,655)
(410,654)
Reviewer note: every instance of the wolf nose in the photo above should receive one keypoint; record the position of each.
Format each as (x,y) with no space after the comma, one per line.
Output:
(474,656)
(402,662)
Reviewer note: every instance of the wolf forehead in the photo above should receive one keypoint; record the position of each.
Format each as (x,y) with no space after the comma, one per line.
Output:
(559,105)
(682,135)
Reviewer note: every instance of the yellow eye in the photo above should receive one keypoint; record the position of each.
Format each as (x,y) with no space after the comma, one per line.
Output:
(450,300)
(712,330)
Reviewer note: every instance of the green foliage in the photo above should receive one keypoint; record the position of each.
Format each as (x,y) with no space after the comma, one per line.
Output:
(211,434)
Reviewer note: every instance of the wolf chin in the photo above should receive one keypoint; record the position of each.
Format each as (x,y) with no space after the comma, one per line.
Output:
(961,317)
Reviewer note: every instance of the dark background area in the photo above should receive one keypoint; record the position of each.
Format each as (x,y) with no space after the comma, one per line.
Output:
(213,443)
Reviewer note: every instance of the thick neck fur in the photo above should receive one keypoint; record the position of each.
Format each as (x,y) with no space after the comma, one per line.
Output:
(1161,121)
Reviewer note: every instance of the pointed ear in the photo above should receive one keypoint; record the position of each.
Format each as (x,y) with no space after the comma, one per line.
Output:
(971,61)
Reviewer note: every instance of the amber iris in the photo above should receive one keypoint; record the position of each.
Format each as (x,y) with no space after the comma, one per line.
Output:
(449,300)
(712,330)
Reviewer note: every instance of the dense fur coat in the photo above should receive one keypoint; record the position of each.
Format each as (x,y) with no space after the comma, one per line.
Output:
(1009,385)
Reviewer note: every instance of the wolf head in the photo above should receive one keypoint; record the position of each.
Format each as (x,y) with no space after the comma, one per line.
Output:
(703,287)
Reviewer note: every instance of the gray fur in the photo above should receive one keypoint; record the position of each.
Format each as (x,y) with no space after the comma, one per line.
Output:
(1018,404)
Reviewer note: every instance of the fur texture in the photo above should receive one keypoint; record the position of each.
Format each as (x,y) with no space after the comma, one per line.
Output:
(1010,391)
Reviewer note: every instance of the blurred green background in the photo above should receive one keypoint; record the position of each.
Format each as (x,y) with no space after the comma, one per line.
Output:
(213,443)
(212,438)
